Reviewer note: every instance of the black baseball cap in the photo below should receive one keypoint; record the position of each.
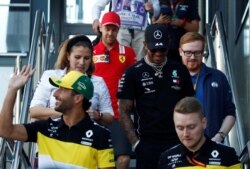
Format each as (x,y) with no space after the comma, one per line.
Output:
(156,37)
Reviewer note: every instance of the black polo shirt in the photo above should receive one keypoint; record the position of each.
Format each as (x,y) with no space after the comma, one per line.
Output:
(86,144)
(210,155)
(155,97)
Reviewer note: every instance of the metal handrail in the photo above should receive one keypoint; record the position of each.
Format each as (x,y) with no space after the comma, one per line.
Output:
(43,36)
(16,5)
(244,17)
(245,154)
(218,25)
(48,50)
(13,54)
(210,47)
(5,144)
(39,20)
(49,46)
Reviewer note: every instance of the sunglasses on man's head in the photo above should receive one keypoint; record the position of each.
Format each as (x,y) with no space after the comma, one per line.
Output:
(158,50)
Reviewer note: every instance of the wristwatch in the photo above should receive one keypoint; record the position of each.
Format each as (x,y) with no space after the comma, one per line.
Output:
(100,115)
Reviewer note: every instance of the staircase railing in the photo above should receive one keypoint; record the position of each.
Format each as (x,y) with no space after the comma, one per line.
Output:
(245,154)
(42,46)
(221,61)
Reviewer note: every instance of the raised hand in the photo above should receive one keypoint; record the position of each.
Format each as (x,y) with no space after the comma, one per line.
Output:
(148,6)
(95,26)
(19,80)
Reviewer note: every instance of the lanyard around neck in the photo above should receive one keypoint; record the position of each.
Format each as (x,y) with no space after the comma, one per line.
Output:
(196,81)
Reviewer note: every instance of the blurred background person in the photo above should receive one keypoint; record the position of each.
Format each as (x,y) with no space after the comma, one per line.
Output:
(134,16)
(179,17)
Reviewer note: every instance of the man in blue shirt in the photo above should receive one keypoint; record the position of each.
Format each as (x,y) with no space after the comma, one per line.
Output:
(211,87)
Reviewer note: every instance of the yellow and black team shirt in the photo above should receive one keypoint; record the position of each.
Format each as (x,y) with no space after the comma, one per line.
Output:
(211,155)
(85,145)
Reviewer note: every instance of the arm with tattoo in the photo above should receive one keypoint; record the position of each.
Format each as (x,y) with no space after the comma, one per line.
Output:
(125,107)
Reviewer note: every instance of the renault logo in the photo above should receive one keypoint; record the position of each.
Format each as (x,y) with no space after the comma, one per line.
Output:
(157,34)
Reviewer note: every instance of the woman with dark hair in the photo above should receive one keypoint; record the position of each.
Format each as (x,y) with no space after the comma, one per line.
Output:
(74,54)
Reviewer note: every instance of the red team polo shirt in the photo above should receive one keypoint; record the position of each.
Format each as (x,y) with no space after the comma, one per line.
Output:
(111,65)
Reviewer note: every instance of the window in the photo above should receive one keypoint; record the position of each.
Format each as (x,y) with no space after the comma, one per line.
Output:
(79,11)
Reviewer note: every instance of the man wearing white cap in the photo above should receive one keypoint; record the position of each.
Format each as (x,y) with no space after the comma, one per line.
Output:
(71,141)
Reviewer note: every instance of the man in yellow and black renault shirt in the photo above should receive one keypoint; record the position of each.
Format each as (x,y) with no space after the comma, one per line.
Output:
(196,150)
(71,141)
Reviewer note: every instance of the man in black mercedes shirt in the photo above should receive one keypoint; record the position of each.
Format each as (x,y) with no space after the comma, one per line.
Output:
(196,149)
(154,85)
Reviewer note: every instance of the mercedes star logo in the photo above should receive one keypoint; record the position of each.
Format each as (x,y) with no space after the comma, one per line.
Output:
(157,34)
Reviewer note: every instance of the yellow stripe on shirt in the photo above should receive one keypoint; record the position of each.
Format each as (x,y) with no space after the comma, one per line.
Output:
(74,154)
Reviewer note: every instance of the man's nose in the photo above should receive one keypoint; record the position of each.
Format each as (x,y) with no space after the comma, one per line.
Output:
(56,92)
(186,132)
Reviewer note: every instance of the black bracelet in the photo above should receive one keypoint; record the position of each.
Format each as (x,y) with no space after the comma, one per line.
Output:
(223,135)
(100,115)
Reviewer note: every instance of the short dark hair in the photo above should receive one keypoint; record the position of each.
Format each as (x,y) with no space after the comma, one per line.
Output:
(189,105)
(85,103)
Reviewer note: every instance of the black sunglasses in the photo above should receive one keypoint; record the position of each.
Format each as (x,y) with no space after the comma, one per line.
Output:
(159,50)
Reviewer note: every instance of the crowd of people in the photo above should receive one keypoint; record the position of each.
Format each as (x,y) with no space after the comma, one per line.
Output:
(141,91)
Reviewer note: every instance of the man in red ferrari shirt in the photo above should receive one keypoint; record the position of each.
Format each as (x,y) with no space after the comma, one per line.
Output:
(111,60)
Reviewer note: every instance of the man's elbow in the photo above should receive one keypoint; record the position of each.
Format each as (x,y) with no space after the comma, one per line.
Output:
(4,132)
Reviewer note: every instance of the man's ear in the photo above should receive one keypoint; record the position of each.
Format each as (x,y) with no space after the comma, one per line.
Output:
(145,45)
(100,28)
(180,51)
(204,122)
(78,98)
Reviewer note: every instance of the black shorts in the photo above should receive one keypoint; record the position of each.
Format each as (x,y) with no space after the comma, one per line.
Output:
(120,141)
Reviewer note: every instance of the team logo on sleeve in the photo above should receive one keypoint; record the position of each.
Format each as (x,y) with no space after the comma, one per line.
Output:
(176,81)
(122,58)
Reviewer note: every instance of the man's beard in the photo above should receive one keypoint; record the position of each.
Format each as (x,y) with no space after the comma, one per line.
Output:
(63,107)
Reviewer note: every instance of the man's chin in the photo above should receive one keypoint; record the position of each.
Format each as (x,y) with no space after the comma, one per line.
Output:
(58,110)
(110,41)
(187,143)
(192,68)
